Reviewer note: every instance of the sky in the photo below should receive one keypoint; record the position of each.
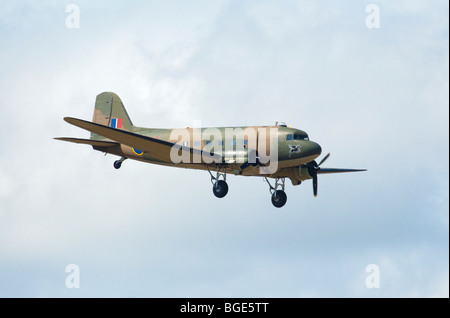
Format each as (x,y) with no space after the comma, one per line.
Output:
(374,95)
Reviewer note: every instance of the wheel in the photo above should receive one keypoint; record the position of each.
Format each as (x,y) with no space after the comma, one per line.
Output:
(117,164)
(220,189)
(279,198)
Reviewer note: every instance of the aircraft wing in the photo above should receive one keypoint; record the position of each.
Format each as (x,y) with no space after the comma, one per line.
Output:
(334,170)
(92,142)
(159,149)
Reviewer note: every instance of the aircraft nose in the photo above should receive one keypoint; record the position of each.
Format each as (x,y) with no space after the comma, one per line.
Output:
(316,149)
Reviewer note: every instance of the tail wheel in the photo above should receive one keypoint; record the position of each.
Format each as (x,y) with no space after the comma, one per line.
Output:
(117,164)
(220,189)
(279,198)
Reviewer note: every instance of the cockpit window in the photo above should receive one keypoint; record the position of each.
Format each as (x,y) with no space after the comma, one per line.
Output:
(301,137)
(289,137)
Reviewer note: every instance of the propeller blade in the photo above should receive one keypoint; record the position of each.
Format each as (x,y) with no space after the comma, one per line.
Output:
(244,165)
(323,160)
(337,170)
(315,179)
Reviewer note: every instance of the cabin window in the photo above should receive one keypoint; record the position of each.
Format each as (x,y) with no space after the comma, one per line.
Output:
(301,137)
(186,143)
(207,142)
(233,142)
(289,137)
(196,143)
(245,142)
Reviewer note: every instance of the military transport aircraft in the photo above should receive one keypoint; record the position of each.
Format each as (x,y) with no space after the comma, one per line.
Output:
(276,152)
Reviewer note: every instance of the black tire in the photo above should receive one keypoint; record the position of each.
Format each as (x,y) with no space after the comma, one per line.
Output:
(117,164)
(220,189)
(279,198)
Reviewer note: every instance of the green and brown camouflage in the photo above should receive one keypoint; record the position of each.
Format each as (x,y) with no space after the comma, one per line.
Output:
(275,151)
(296,151)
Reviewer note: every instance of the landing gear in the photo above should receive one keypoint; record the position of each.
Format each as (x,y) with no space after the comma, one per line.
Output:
(279,197)
(118,163)
(220,187)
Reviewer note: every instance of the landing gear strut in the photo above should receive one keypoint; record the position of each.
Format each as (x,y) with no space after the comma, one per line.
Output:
(279,197)
(220,187)
(118,163)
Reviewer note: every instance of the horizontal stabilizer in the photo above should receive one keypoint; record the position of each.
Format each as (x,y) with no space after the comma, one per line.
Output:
(159,149)
(334,170)
(95,143)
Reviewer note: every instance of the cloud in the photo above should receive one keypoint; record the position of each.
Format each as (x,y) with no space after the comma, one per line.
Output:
(374,98)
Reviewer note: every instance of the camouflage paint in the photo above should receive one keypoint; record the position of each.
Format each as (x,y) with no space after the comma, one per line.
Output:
(236,148)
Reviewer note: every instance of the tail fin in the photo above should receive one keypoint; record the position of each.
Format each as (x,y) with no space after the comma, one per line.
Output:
(109,111)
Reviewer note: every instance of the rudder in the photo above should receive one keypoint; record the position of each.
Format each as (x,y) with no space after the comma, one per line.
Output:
(109,111)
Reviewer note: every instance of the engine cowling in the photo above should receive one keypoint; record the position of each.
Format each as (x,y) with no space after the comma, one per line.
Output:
(236,156)
(298,174)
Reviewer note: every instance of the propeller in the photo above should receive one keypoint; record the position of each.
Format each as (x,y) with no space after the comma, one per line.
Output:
(313,169)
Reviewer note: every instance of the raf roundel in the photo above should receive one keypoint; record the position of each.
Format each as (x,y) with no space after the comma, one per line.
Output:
(137,151)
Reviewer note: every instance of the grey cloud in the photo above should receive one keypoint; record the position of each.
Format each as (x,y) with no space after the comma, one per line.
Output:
(375,99)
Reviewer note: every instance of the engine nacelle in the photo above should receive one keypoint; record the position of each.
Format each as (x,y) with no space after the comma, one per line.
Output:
(240,155)
(236,156)
(297,174)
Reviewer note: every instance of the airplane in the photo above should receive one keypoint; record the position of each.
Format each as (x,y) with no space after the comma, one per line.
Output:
(218,150)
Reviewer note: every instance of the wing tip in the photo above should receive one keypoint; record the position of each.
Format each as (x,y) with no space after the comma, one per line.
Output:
(69,119)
